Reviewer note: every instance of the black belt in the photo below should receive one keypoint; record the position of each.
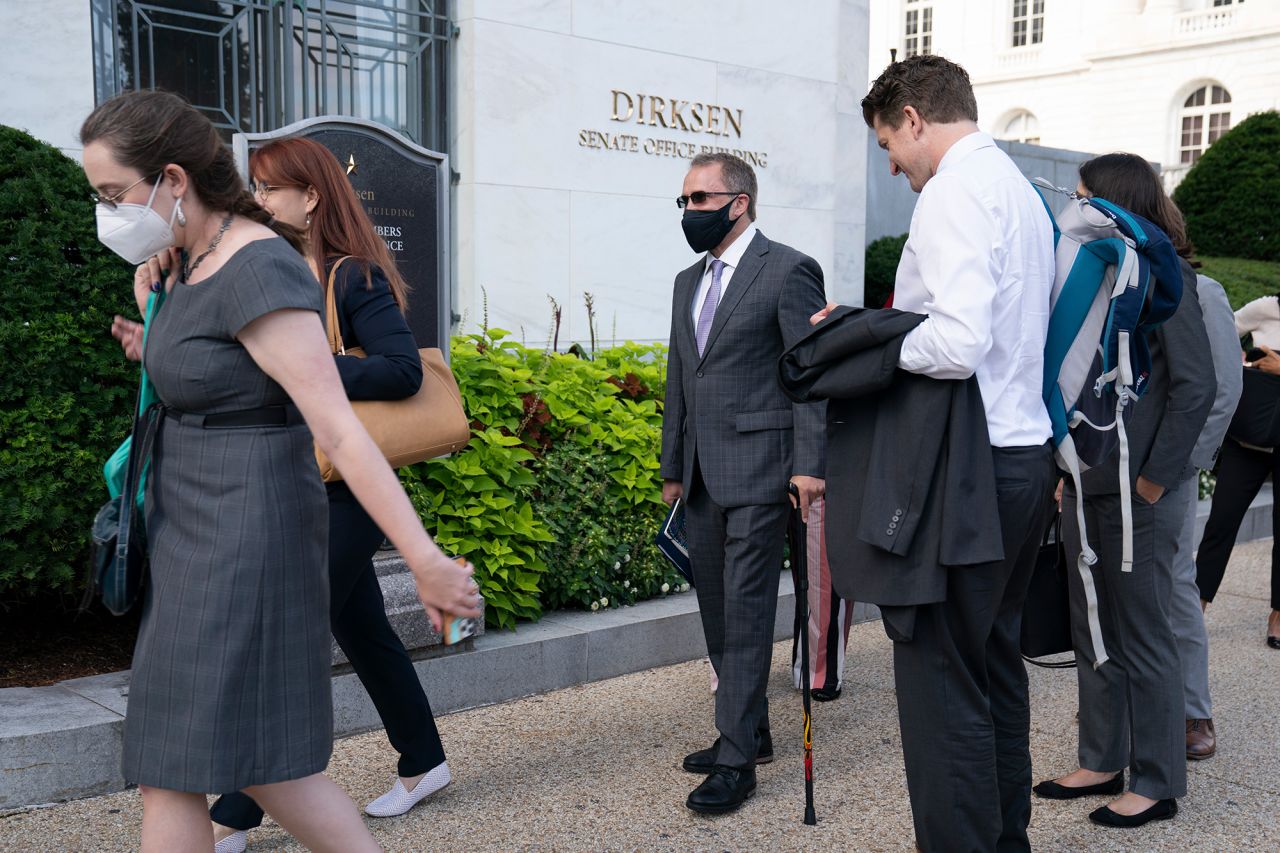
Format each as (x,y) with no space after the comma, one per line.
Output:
(265,416)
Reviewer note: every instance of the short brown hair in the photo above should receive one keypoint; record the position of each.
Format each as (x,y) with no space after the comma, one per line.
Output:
(938,89)
(737,173)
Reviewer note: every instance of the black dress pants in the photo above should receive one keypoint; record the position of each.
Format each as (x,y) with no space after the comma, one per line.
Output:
(962,686)
(358,619)
(1241,473)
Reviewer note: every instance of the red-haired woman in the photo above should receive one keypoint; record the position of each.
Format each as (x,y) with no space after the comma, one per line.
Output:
(301,183)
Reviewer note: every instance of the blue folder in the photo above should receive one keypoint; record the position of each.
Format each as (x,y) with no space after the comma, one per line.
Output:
(672,541)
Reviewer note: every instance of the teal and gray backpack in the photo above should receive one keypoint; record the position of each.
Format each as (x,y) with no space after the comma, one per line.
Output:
(1117,278)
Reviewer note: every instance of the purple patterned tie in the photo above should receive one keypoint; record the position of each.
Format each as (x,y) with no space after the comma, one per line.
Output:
(708,313)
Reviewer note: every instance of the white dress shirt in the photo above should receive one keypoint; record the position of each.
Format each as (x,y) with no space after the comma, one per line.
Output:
(979,262)
(731,256)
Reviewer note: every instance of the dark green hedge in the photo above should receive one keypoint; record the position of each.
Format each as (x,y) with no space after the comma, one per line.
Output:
(881,269)
(65,388)
(1231,197)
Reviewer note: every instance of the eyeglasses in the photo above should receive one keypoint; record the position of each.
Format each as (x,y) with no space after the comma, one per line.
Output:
(111,201)
(264,190)
(698,197)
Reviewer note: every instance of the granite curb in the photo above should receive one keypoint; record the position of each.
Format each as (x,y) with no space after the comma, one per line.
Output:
(63,741)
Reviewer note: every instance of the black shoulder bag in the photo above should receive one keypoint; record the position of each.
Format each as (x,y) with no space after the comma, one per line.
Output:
(1046,615)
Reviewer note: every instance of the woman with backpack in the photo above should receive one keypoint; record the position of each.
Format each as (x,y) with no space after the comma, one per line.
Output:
(1131,707)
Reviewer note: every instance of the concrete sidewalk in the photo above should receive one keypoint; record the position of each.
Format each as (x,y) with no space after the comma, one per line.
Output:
(596,767)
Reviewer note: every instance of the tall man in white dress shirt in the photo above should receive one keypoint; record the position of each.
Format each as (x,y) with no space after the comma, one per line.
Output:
(979,263)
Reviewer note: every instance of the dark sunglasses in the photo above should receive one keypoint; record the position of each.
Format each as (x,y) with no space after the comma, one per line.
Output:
(698,198)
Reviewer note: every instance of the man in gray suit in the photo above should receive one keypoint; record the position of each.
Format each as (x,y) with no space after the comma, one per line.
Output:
(731,440)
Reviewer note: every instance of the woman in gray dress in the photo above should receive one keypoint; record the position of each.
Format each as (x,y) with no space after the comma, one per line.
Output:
(230,685)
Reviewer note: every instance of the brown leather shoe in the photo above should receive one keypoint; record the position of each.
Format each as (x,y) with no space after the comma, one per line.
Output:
(1201,741)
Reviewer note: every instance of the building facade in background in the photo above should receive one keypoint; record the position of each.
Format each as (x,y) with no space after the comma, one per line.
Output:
(1161,78)
(568,124)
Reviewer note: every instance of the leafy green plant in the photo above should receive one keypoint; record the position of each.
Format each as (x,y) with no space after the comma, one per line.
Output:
(477,505)
(602,552)
(66,390)
(557,498)
(881,269)
(1231,196)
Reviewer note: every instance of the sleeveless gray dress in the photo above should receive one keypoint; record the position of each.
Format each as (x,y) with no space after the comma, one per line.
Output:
(230,683)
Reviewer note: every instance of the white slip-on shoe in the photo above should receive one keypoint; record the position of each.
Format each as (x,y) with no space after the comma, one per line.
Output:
(233,843)
(397,801)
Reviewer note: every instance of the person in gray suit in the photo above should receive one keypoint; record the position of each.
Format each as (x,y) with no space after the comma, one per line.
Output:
(731,441)
(1129,705)
(1185,610)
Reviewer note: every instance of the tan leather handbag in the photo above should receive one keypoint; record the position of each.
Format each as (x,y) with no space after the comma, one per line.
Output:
(430,423)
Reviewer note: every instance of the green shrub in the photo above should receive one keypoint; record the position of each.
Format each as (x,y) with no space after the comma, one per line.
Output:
(66,390)
(1244,280)
(881,269)
(476,503)
(560,481)
(1231,196)
(599,487)
(602,552)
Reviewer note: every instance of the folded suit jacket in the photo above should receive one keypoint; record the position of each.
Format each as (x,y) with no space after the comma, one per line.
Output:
(911,489)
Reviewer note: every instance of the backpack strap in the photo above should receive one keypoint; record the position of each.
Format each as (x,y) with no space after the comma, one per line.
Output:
(1067,455)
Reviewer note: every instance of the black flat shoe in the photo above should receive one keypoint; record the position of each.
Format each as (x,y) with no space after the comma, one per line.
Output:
(824,695)
(724,791)
(1162,810)
(1273,642)
(703,761)
(1050,790)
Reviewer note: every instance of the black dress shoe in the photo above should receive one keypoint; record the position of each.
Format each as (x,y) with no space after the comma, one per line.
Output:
(822,694)
(1051,790)
(703,761)
(1162,810)
(1273,642)
(724,791)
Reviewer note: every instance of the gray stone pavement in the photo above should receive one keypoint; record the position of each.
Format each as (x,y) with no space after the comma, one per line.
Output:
(596,767)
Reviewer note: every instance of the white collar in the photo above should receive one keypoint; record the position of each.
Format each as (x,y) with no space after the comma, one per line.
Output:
(963,147)
(732,256)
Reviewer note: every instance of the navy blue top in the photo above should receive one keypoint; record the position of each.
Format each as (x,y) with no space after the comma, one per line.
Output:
(368,317)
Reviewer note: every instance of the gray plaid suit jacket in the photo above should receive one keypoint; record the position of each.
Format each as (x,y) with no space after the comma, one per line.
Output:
(727,407)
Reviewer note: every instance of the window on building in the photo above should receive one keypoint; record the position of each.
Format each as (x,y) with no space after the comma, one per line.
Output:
(1028,22)
(257,65)
(1023,126)
(917,29)
(1226,2)
(1205,117)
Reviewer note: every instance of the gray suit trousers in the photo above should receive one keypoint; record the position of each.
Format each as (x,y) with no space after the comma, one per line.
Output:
(1185,612)
(736,553)
(1130,708)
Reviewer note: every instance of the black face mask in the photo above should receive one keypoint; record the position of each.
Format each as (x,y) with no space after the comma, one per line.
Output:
(704,229)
